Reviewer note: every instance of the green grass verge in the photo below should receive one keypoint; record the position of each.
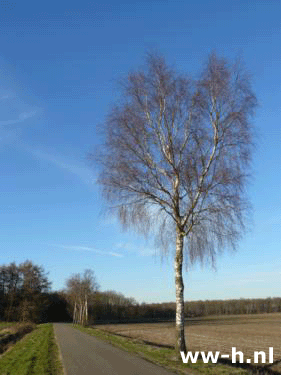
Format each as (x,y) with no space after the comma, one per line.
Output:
(36,354)
(162,356)
(5,325)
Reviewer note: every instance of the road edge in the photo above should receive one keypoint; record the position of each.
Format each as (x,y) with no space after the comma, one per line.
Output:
(60,357)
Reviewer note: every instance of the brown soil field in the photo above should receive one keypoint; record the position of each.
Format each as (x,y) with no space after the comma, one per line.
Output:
(248,333)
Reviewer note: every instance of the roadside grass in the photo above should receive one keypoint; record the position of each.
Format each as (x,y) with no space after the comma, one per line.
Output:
(36,354)
(13,333)
(4,325)
(162,356)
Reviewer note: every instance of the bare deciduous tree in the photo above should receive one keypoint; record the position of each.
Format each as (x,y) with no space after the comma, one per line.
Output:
(176,158)
(80,292)
(22,291)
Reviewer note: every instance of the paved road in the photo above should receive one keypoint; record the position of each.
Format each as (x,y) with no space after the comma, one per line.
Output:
(83,354)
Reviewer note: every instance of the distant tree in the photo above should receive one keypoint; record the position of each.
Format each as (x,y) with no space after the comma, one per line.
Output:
(80,290)
(23,290)
(116,306)
(11,282)
(34,286)
(176,159)
(81,284)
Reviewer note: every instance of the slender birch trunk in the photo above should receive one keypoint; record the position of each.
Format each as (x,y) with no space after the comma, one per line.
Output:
(74,314)
(80,312)
(86,312)
(180,339)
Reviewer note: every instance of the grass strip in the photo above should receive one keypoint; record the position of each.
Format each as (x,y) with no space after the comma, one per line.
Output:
(5,325)
(10,335)
(162,356)
(36,354)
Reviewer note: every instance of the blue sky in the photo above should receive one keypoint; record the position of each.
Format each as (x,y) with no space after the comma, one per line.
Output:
(59,63)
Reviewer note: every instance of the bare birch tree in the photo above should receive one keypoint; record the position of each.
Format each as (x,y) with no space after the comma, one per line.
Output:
(80,291)
(176,158)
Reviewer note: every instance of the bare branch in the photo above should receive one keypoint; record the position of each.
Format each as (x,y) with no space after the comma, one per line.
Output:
(176,159)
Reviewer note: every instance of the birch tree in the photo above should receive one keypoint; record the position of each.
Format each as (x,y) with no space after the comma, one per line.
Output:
(80,291)
(176,158)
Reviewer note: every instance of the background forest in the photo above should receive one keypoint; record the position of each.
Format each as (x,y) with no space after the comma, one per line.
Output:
(26,295)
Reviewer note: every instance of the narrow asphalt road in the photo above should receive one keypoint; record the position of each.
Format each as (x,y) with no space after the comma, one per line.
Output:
(83,354)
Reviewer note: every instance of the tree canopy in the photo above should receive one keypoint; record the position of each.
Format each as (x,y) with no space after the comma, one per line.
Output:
(176,158)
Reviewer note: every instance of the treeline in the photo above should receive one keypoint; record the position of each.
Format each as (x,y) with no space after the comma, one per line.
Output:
(23,292)
(233,306)
(25,295)
(124,311)
(194,309)
(113,307)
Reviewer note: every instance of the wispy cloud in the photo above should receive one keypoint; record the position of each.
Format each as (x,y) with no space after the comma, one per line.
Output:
(79,169)
(137,249)
(25,115)
(120,247)
(12,106)
(86,248)
(14,116)
(22,117)
(9,132)
(260,277)
(6,96)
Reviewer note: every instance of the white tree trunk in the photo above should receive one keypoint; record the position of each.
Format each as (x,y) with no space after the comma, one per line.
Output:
(180,339)
(74,314)
(86,312)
